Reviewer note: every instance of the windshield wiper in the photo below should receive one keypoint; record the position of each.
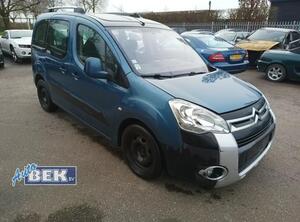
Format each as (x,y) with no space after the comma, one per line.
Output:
(157,76)
(189,74)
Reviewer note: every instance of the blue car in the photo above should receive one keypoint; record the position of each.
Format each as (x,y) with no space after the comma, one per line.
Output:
(141,86)
(218,52)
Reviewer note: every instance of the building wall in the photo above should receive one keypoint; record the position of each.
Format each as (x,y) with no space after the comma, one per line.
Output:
(288,10)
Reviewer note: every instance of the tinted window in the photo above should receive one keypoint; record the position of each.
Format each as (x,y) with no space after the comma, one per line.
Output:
(40,34)
(58,34)
(91,44)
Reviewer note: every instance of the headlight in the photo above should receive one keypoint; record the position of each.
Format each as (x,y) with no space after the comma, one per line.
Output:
(196,119)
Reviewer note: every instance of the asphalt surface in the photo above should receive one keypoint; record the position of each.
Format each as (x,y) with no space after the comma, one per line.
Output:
(108,191)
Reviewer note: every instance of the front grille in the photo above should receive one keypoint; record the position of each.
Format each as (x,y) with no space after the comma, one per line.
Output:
(249,123)
(25,46)
(248,154)
(244,141)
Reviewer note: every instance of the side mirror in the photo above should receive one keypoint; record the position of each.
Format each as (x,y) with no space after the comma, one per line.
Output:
(93,68)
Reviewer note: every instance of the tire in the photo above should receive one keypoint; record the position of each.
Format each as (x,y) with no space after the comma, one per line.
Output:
(142,152)
(276,73)
(1,65)
(44,97)
(14,55)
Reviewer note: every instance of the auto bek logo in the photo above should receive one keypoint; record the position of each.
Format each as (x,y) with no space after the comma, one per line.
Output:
(46,175)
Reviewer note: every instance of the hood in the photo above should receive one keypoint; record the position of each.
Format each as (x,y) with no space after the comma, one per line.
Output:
(257,45)
(217,91)
(23,41)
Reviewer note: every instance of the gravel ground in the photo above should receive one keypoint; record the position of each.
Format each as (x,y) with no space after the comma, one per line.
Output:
(108,191)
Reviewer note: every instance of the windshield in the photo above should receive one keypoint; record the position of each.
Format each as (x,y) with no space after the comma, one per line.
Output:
(154,51)
(20,34)
(228,36)
(268,35)
(214,42)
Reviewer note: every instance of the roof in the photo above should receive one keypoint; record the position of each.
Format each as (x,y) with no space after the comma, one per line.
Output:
(109,19)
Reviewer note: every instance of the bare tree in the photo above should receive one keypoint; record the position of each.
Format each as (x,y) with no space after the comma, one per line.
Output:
(250,10)
(93,5)
(12,6)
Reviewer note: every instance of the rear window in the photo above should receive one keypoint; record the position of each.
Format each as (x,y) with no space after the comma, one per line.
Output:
(39,38)
(228,36)
(213,42)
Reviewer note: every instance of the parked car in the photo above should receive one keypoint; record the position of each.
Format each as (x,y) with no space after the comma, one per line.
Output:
(218,52)
(140,85)
(281,64)
(232,37)
(1,58)
(17,43)
(266,39)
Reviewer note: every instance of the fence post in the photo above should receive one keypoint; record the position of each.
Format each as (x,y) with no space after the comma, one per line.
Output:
(212,26)
(248,26)
(294,25)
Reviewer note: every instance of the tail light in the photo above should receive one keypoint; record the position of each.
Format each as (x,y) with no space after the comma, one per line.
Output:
(218,57)
(247,56)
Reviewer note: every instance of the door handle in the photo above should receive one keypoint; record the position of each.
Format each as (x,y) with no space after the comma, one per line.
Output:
(75,76)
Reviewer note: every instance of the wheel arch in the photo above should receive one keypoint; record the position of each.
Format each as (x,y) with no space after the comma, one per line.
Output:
(134,121)
(276,63)
(131,121)
(37,78)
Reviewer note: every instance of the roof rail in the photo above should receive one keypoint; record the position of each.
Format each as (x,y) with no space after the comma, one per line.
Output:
(66,9)
(135,15)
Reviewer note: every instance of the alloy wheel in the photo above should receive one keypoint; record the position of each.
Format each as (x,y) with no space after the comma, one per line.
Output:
(275,73)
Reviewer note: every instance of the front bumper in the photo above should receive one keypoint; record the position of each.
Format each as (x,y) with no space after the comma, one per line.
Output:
(229,155)
(262,65)
(233,67)
(23,52)
(203,151)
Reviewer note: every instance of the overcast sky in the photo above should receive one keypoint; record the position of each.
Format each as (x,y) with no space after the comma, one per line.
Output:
(166,5)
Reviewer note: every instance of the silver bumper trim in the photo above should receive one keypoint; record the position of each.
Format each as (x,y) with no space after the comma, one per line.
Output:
(229,158)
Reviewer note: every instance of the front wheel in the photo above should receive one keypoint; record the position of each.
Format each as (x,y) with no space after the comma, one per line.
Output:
(44,97)
(276,73)
(14,55)
(142,152)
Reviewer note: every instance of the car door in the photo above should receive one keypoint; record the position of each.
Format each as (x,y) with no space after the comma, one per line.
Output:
(99,99)
(57,59)
(295,63)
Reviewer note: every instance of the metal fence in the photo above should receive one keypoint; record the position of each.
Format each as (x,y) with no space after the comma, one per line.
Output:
(27,23)
(245,26)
